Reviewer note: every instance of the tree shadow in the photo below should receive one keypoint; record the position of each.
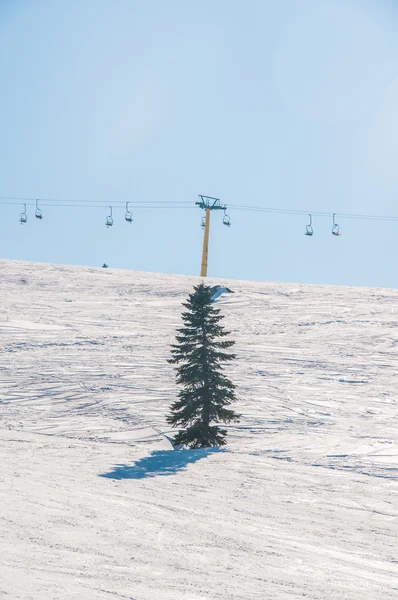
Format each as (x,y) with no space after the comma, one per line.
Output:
(160,462)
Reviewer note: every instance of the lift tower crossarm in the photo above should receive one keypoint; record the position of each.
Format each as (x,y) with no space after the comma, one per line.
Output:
(208,203)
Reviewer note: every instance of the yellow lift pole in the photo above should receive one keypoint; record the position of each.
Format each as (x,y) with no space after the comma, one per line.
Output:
(205,253)
(208,204)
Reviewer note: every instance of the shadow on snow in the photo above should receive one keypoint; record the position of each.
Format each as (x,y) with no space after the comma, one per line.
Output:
(160,462)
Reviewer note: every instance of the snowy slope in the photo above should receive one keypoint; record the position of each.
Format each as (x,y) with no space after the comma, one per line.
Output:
(95,504)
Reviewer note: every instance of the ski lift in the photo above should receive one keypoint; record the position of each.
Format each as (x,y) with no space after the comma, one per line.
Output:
(38,212)
(226,219)
(109,219)
(23,217)
(128,216)
(203,223)
(336,227)
(309,230)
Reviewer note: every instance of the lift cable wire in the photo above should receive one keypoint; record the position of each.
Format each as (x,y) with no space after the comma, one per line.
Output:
(81,203)
(313,213)
(142,205)
(160,204)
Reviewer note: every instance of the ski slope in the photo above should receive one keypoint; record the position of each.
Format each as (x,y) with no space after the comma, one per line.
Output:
(95,504)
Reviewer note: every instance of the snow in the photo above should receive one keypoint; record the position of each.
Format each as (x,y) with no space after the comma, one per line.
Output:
(218,290)
(95,503)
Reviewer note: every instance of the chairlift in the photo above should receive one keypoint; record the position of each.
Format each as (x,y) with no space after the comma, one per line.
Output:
(308,229)
(226,219)
(336,227)
(109,219)
(203,223)
(23,216)
(128,216)
(38,212)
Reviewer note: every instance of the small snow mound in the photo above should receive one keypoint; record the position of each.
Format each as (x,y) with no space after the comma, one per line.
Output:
(217,290)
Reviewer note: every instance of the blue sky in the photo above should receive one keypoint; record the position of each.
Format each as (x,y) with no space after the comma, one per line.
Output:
(290,104)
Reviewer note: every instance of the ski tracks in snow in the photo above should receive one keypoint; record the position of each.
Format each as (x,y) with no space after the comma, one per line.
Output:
(303,504)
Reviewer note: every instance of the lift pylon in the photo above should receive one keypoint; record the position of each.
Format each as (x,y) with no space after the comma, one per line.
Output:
(208,203)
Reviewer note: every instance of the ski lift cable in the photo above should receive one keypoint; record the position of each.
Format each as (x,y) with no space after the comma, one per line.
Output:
(58,201)
(148,206)
(314,213)
(174,204)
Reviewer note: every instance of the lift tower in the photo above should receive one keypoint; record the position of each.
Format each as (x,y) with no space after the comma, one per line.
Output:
(208,204)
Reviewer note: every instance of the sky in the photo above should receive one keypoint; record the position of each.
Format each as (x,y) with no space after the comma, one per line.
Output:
(290,104)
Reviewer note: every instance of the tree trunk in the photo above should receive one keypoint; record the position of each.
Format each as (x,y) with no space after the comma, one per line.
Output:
(206,403)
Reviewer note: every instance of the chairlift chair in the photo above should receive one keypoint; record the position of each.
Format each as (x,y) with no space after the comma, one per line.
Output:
(336,227)
(203,223)
(308,229)
(226,219)
(109,218)
(38,212)
(23,216)
(128,216)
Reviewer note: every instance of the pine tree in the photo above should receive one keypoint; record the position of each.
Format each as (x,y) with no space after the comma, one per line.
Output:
(199,354)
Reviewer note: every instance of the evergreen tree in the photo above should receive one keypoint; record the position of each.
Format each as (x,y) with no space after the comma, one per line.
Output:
(206,392)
